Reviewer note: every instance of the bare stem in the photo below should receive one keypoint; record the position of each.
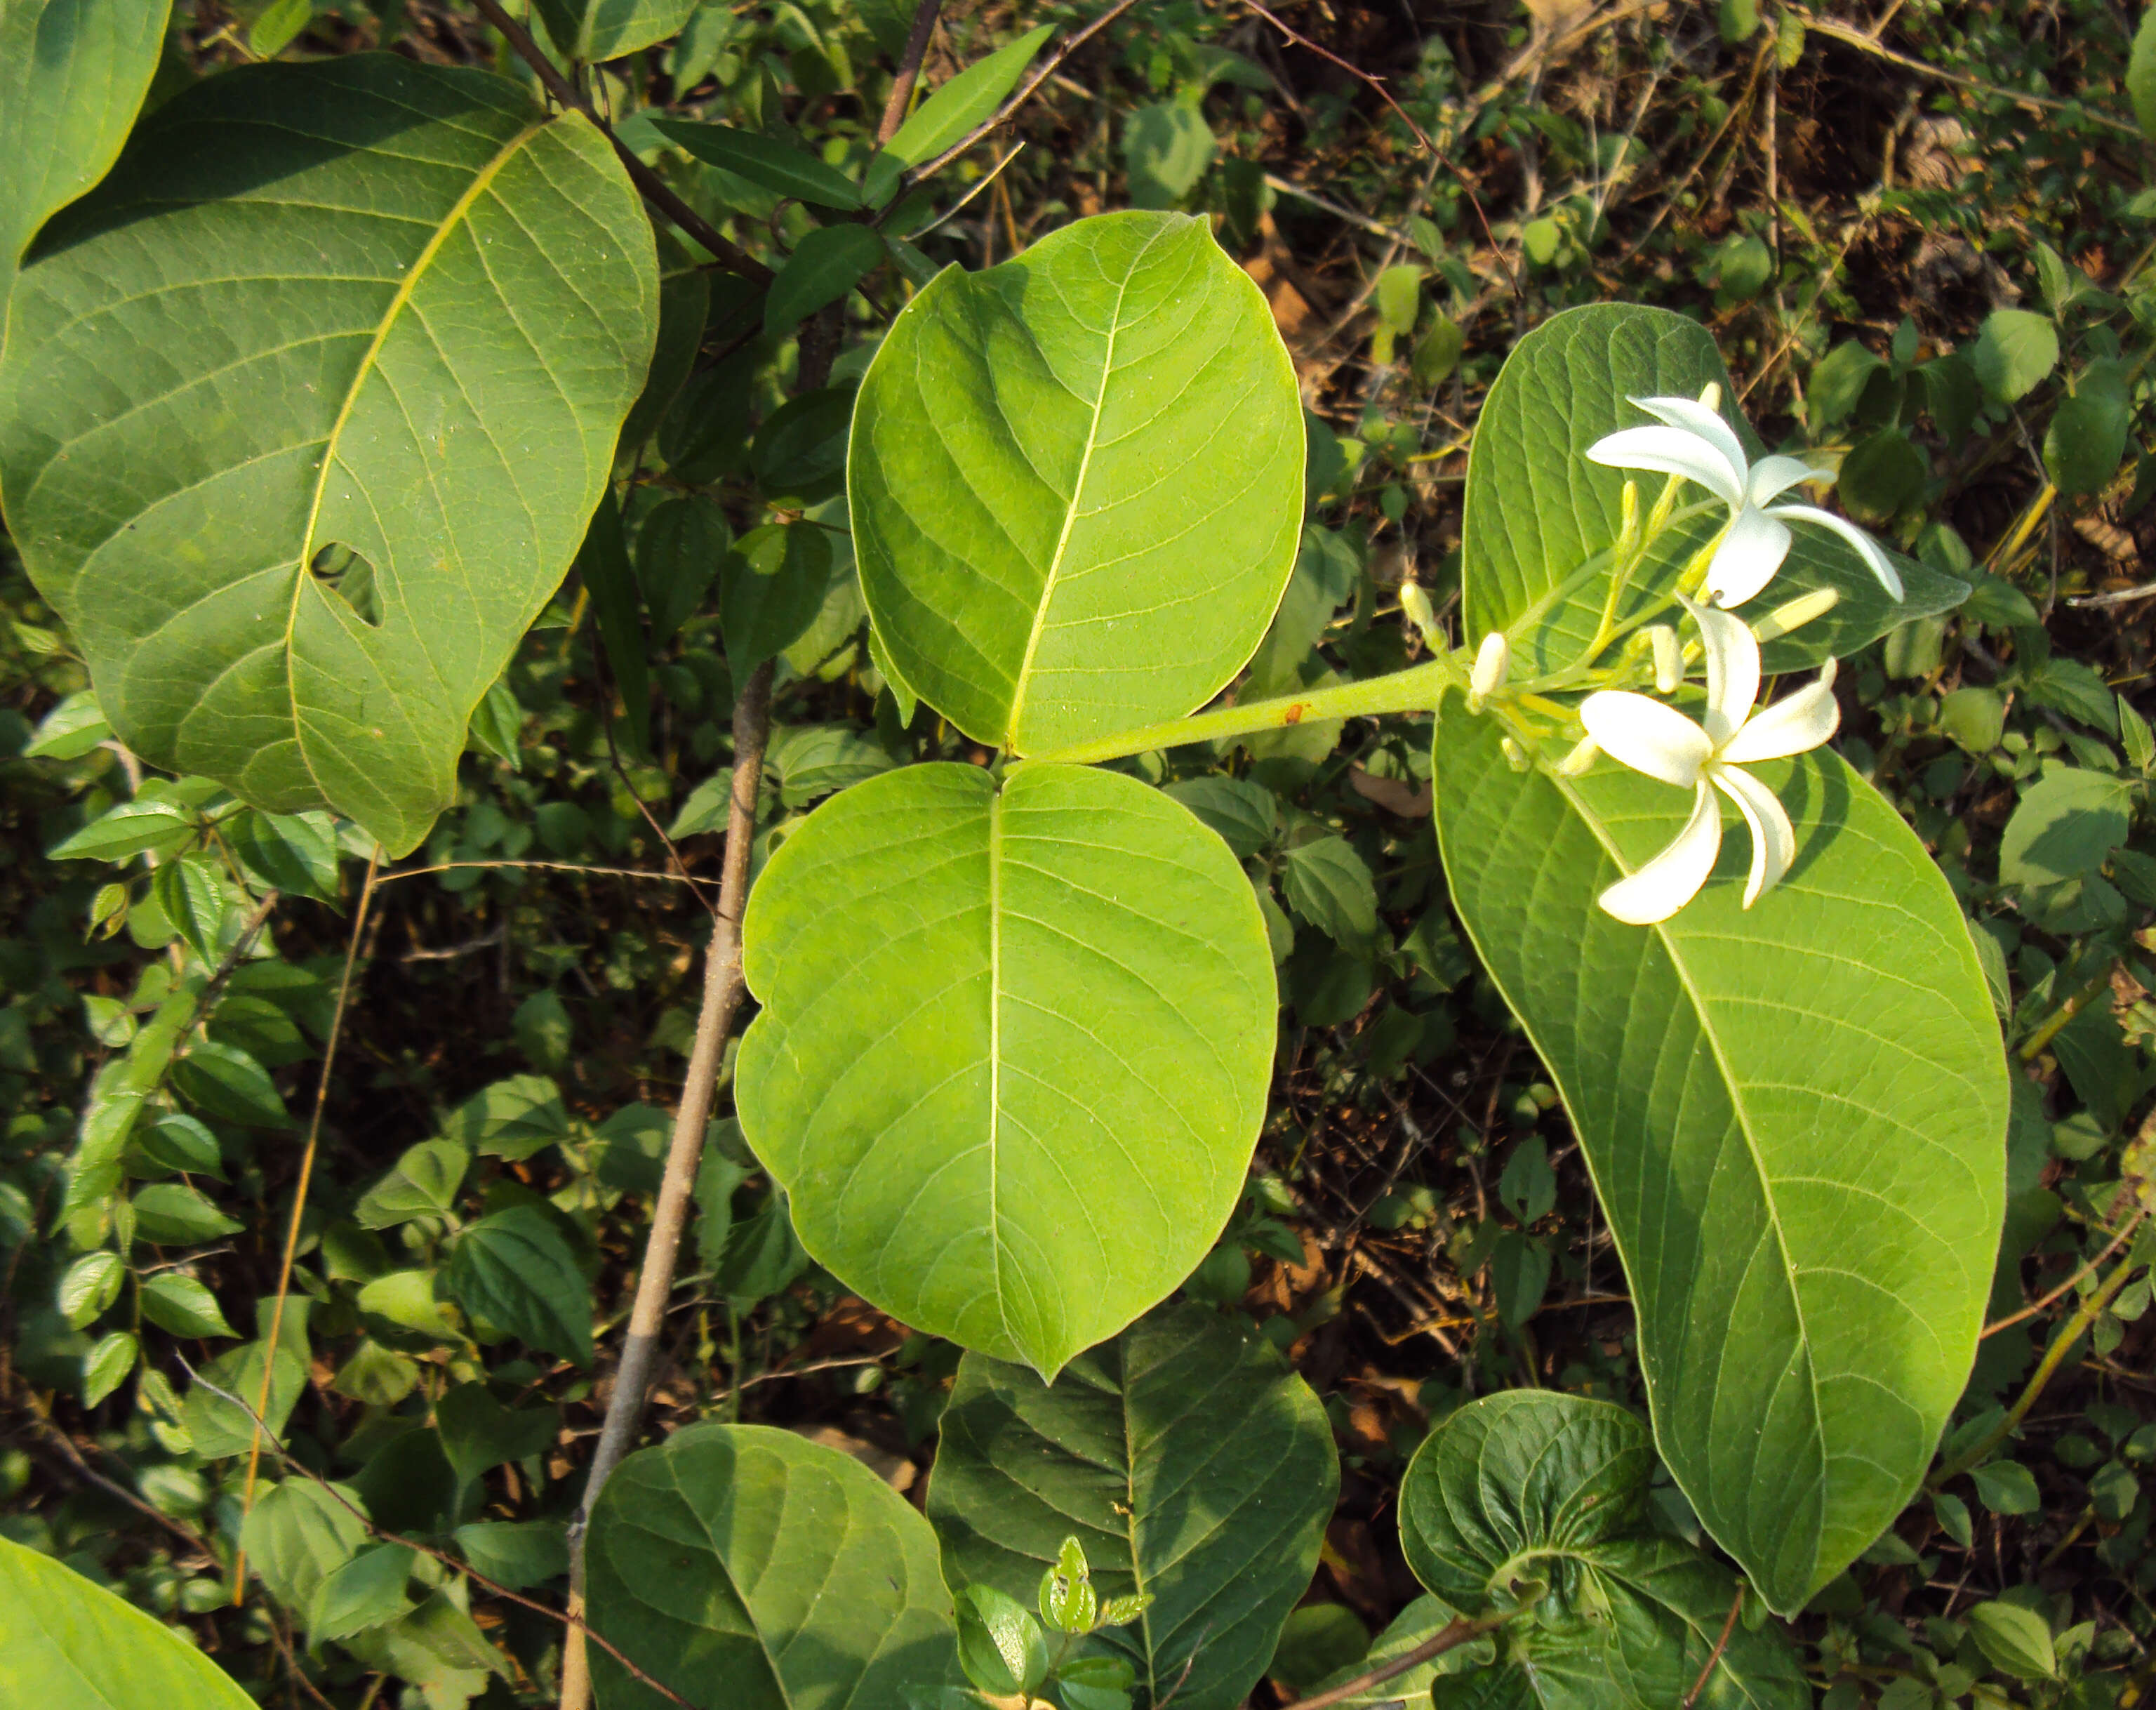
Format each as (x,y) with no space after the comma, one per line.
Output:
(1449,1637)
(909,69)
(654,188)
(654,1283)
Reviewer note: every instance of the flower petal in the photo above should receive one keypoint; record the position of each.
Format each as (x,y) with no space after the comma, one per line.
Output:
(1733,669)
(1867,548)
(1745,561)
(1791,726)
(1646,735)
(1693,417)
(1673,877)
(1669,451)
(1772,476)
(1774,840)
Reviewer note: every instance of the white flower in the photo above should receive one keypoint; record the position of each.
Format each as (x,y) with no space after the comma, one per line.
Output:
(1493,661)
(1696,442)
(1661,741)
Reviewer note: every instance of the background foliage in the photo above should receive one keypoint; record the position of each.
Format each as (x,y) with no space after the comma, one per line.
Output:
(1922,249)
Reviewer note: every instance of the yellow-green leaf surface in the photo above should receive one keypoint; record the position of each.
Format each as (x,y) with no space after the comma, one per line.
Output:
(1077,483)
(72,73)
(751,1570)
(1796,1119)
(376,317)
(1795,1114)
(68,1644)
(1189,1462)
(1014,1047)
(1542,536)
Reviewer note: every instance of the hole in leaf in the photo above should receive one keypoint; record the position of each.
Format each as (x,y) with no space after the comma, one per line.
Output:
(343,571)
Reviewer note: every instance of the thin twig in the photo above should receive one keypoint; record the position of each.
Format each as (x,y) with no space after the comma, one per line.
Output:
(1453,1634)
(730,255)
(2038,1305)
(1714,1656)
(1859,39)
(1041,75)
(909,69)
(654,1283)
(298,1212)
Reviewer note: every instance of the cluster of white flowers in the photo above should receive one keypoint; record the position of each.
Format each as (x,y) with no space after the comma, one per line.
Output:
(1692,441)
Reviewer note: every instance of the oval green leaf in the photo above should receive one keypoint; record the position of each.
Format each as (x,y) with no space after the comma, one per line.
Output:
(1058,464)
(1794,1116)
(1014,1047)
(1540,518)
(751,1570)
(514,1270)
(1190,1463)
(72,73)
(65,1642)
(413,389)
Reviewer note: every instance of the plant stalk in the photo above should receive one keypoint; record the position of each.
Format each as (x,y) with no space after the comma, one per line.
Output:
(654,1283)
(2070,1333)
(909,69)
(1449,1637)
(1415,689)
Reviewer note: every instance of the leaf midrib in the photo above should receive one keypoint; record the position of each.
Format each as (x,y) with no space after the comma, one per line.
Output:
(482,181)
(1744,1123)
(1071,510)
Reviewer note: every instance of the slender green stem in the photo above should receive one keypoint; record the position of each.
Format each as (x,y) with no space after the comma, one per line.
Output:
(1415,689)
(2055,1356)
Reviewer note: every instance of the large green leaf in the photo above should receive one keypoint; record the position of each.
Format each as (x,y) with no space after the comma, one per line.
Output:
(1540,518)
(445,301)
(1076,482)
(751,1570)
(1014,1047)
(1191,1463)
(72,73)
(1536,1500)
(1794,1116)
(64,1642)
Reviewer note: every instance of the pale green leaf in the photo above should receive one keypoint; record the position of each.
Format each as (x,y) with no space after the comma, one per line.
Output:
(183,1306)
(751,1570)
(1413,1627)
(2141,76)
(72,73)
(175,1214)
(948,116)
(296,1535)
(980,1003)
(290,852)
(219,1426)
(105,1367)
(2015,350)
(514,1271)
(160,827)
(1167,146)
(2014,1640)
(69,1643)
(2086,437)
(366,1591)
(415,384)
(516,1554)
(1808,1313)
(88,1285)
(511,1119)
(1059,464)
(2065,826)
(1191,1463)
(422,1183)
(593,30)
(1329,886)
(1541,520)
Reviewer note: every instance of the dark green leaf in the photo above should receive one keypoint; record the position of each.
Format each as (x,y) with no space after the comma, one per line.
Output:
(174,1214)
(513,1270)
(2068,822)
(602,565)
(1329,886)
(828,263)
(2013,353)
(774,583)
(367,1591)
(1000,1645)
(764,160)
(593,30)
(480,1433)
(517,1554)
(679,549)
(511,1119)
(296,1535)
(296,852)
(133,827)
(225,1082)
(182,1305)
(1182,1415)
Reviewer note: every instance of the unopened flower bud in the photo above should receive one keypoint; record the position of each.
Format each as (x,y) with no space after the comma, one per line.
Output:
(1658,519)
(1669,658)
(1579,759)
(1420,613)
(1516,757)
(1492,659)
(1798,613)
(1711,394)
(1628,521)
